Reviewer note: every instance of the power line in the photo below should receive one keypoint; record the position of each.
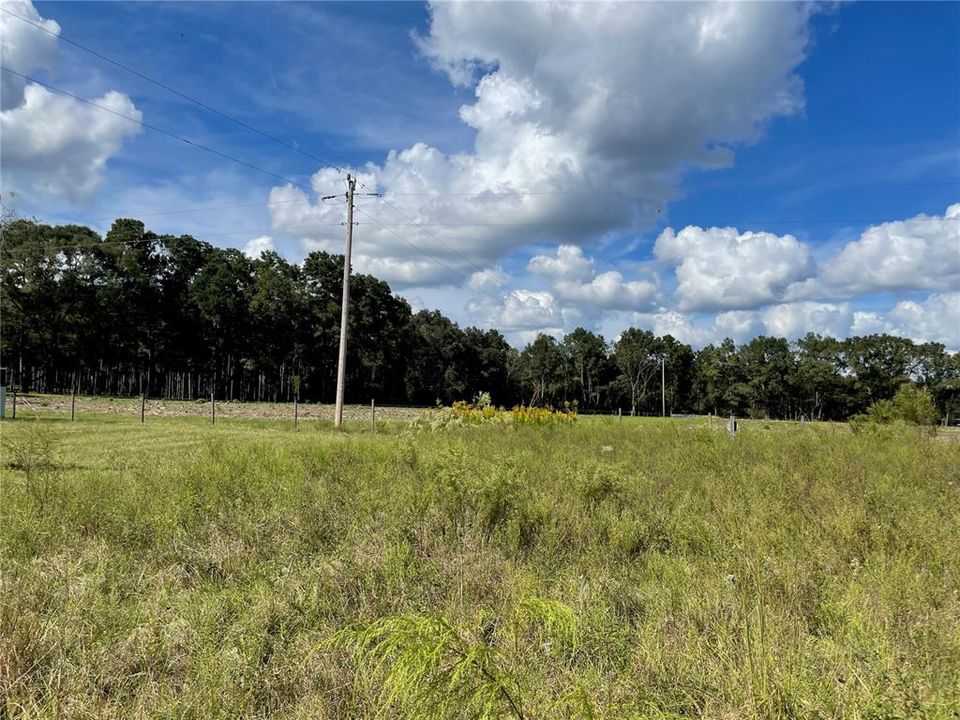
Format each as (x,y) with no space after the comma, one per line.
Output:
(176,92)
(161,238)
(433,235)
(327,163)
(201,234)
(713,223)
(739,221)
(439,262)
(157,129)
(158,238)
(213,208)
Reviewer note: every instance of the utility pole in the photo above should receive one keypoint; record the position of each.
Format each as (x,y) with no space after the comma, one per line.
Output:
(345,305)
(663,387)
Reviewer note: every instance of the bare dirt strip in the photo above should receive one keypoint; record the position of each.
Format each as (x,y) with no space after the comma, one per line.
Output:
(60,404)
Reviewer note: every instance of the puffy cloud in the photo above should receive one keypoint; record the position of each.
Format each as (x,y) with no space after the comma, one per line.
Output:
(24,47)
(257,246)
(922,253)
(402,272)
(870,323)
(492,278)
(574,280)
(53,143)
(608,291)
(569,264)
(936,319)
(611,74)
(61,146)
(794,320)
(526,310)
(723,269)
(586,116)
(739,325)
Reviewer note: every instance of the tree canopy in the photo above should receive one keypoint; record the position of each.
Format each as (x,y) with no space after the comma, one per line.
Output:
(173,316)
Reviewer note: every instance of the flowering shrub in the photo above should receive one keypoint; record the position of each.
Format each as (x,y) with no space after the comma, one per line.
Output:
(483,412)
(543,416)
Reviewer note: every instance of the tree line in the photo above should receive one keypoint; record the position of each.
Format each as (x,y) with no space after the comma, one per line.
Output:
(172,316)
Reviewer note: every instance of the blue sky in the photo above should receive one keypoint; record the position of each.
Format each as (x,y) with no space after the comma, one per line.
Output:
(792,129)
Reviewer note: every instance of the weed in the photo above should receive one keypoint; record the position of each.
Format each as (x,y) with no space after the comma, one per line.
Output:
(513,570)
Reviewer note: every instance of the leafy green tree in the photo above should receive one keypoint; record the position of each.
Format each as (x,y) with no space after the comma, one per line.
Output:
(484,364)
(680,369)
(715,378)
(764,365)
(277,306)
(586,353)
(433,374)
(820,388)
(219,292)
(915,405)
(637,353)
(541,368)
(171,315)
(879,365)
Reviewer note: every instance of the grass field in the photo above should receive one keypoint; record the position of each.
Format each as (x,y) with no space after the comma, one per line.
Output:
(611,569)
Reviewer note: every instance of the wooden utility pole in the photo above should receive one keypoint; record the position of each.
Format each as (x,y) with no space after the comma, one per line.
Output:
(345,305)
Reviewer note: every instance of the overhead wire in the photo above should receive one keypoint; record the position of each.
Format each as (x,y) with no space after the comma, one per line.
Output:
(325,162)
(439,262)
(155,128)
(219,154)
(176,92)
(111,243)
(219,113)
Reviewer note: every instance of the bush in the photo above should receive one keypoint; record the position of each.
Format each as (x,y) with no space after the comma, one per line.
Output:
(482,412)
(914,405)
(910,406)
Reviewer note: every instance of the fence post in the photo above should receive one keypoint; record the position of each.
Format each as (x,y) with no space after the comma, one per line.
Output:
(732,425)
(73,402)
(143,405)
(213,408)
(13,415)
(620,413)
(296,411)
(373,415)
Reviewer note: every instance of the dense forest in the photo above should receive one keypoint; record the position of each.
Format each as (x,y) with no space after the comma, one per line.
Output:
(177,317)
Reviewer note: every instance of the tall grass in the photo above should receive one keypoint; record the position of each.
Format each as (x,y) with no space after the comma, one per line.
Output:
(601,570)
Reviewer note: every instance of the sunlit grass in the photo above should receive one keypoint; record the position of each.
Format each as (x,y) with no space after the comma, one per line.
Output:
(612,568)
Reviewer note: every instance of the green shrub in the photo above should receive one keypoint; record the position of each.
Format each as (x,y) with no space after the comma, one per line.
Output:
(915,405)
(911,405)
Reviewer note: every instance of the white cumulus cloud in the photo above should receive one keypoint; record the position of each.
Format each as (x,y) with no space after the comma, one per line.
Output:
(936,319)
(921,253)
(794,320)
(23,48)
(586,116)
(574,279)
(527,310)
(569,264)
(740,325)
(724,269)
(51,143)
(258,246)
